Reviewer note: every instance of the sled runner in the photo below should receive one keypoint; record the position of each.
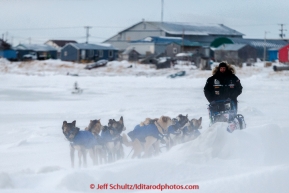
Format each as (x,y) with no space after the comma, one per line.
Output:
(225,111)
(78,91)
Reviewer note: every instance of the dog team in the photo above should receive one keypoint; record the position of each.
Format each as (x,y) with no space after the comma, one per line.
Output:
(105,143)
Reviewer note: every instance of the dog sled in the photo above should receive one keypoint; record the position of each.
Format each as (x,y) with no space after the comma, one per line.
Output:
(76,90)
(225,111)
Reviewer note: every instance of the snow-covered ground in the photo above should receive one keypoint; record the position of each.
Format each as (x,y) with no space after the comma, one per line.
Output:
(36,98)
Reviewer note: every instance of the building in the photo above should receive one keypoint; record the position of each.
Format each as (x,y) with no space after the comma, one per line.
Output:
(8,54)
(164,46)
(6,51)
(79,52)
(273,54)
(42,51)
(235,53)
(202,33)
(260,45)
(174,48)
(58,44)
(283,54)
(130,55)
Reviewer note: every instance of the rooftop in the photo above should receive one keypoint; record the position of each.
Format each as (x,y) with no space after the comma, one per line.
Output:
(167,40)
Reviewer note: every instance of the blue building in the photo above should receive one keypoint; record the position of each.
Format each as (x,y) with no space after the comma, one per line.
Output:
(6,51)
(9,54)
(78,52)
(273,54)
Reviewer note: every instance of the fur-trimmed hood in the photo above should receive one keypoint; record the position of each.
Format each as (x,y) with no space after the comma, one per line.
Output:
(230,68)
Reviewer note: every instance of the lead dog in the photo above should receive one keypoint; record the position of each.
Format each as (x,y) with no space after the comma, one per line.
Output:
(80,141)
(147,135)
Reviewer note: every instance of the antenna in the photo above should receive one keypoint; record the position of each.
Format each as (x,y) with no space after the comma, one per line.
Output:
(87,32)
(264,57)
(282,35)
(162,16)
(183,40)
(6,36)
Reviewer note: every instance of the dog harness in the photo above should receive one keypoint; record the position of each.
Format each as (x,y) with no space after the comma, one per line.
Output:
(194,131)
(84,138)
(176,129)
(108,137)
(141,132)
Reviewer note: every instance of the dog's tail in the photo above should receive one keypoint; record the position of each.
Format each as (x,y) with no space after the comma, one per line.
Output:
(125,140)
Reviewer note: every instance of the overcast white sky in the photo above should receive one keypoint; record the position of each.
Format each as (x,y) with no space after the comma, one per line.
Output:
(41,20)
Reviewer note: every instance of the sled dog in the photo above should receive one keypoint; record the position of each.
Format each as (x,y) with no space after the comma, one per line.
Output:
(95,128)
(80,141)
(147,135)
(175,131)
(111,135)
(191,131)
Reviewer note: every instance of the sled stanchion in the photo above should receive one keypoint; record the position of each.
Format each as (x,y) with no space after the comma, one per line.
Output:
(225,111)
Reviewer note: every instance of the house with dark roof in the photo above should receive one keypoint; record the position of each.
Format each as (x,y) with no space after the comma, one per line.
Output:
(130,55)
(59,44)
(235,53)
(194,32)
(42,51)
(79,52)
(260,45)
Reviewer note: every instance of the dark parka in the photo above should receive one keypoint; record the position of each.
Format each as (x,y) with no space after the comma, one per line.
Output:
(222,86)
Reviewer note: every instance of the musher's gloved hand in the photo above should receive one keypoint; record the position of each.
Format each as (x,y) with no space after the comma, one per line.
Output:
(213,102)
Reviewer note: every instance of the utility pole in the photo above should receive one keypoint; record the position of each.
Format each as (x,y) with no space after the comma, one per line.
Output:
(87,32)
(264,57)
(162,14)
(282,35)
(6,36)
(183,40)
